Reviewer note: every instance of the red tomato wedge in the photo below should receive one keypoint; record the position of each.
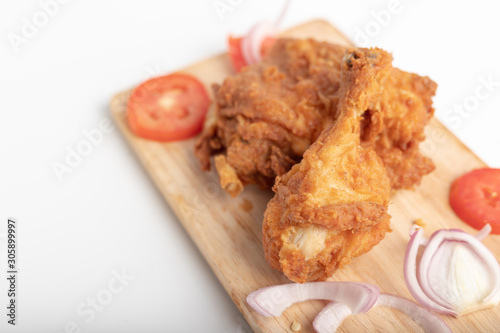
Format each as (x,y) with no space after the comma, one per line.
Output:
(236,53)
(168,108)
(475,198)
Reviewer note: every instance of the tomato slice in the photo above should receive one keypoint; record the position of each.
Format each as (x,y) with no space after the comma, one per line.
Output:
(236,53)
(266,45)
(168,108)
(475,198)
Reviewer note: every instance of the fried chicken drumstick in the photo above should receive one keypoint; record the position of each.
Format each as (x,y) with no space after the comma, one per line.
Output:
(270,113)
(332,206)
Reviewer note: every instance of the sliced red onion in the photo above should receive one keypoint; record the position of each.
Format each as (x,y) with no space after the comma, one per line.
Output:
(272,301)
(457,274)
(347,298)
(444,247)
(428,320)
(422,240)
(331,317)
(283,12)
(252,42)
(480,235)
(485,231)
(410,272)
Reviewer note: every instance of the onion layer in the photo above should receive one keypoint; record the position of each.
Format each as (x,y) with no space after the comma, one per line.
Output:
(252,42)
(272,301)
(331,317)
(428,320)
(456,274)
(347,298)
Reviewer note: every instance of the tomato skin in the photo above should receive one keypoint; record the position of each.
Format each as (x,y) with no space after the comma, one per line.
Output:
(236,53)
(168,108)
(267,43)
(475,198)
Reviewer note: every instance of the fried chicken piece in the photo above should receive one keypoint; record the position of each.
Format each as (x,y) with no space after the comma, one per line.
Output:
(332,206)
(395,127)
(270,113)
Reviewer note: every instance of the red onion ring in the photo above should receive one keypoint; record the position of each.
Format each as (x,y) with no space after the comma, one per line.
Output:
(347,298)
(331,317)
(485,231)
(435,264)
(428,320)
(252,42)
(272,301)
(410,273)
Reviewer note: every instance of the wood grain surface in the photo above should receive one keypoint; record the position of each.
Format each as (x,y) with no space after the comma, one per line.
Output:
(227,231)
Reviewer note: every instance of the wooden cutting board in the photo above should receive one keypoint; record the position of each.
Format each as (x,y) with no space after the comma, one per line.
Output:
(227,231)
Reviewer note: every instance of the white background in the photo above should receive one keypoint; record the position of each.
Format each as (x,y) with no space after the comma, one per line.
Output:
(106,215)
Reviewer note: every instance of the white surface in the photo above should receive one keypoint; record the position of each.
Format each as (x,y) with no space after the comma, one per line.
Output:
(107,215)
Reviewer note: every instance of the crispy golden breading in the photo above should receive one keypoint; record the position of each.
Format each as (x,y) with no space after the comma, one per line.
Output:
(395,127)
(332,206)
(270,113)
(266,117)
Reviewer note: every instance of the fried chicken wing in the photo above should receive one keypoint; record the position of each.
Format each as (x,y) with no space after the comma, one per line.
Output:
(394,127)
(332,206)
(266,117)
